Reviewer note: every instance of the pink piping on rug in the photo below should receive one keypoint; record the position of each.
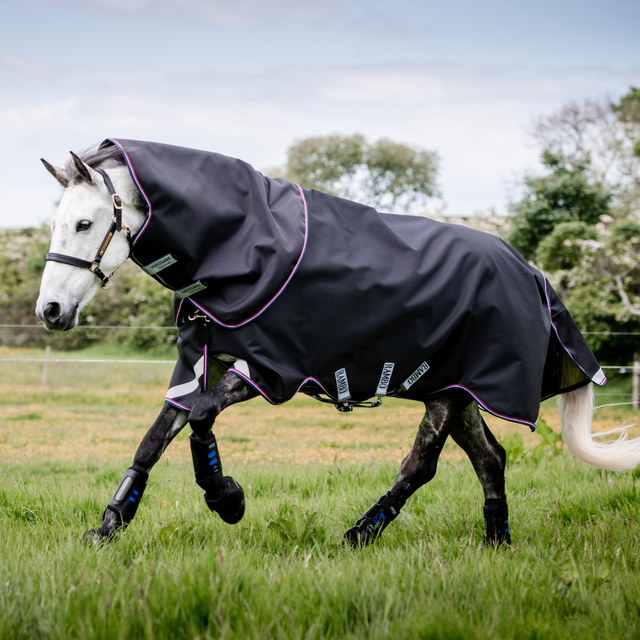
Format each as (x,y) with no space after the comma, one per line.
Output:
(268,304)
(531,425)
(177,404)
(282,288)
(265,395)
(144,195)
(600,384)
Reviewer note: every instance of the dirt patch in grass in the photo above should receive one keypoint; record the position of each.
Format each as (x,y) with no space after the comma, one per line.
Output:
(91,412)
(301,432)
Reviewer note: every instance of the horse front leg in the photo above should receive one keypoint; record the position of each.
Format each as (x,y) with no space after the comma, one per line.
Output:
(124,504)
(418,468)
(222,494)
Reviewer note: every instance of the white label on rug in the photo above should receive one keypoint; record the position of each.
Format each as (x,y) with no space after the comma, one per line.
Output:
(599,378)
(343,384)
(160,264)
(185,292)
(385,379)
(415,376)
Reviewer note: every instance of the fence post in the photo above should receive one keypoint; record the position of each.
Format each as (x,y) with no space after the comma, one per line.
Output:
(636,381)
(47,352)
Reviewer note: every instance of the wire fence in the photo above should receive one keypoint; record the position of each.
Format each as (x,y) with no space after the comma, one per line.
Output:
(65,374)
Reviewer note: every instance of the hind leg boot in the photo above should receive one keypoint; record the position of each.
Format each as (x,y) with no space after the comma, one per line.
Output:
(496,522)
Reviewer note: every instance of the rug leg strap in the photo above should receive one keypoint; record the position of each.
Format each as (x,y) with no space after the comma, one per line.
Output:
(496,521)
(127,497)
(374,521)
(222,493)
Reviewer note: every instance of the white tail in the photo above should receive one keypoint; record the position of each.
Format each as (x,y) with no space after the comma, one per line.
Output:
(576,413)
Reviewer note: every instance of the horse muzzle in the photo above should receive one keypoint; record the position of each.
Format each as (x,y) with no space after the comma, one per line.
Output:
(55,318)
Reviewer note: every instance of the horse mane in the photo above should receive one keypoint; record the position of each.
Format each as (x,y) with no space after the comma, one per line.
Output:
(104,157)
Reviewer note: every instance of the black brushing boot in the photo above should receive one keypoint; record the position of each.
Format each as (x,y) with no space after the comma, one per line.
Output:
(496,522)
(222,493)
(374,521)
(124,503)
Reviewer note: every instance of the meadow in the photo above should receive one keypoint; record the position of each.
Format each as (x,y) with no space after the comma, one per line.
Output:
(283,572)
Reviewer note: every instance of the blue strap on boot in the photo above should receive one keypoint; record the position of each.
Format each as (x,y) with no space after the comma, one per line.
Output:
(127,497)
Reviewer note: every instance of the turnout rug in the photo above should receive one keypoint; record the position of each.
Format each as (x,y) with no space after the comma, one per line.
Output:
(297,290)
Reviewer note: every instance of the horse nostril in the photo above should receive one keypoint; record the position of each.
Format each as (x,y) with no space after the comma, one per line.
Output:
(52,311)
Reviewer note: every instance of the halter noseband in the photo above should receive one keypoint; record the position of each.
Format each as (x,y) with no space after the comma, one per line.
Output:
(116,225)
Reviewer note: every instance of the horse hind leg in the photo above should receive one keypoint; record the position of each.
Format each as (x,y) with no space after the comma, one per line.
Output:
(488,458)
(418,468)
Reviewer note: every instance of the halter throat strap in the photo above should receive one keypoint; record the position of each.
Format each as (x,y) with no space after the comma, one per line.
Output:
(116,225)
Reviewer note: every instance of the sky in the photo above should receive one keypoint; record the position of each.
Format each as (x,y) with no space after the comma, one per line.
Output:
(247,78)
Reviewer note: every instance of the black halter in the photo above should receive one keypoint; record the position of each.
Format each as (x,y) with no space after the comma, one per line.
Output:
(116,225)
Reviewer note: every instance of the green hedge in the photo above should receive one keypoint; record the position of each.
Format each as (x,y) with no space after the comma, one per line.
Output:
(133,300)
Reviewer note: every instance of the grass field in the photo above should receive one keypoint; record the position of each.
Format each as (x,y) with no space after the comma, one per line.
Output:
(308,473)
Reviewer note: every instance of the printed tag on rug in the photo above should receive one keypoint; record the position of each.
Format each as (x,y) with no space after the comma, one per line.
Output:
(385,379)
(343,384)
(158,265)
(185,292)
(415,376)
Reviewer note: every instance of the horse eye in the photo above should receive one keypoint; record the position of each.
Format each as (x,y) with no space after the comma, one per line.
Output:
(83,225)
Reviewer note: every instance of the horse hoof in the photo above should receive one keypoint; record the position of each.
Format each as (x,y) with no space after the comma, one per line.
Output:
(498,540)
(230,505)
(357,538)
(93,536)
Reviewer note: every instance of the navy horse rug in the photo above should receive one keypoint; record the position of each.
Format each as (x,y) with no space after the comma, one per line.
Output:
(296,290)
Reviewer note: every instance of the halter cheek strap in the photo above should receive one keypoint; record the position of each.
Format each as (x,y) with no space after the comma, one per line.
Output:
(116,225)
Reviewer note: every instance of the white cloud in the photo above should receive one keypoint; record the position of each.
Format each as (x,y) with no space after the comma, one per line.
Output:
(218,12)
(473,115)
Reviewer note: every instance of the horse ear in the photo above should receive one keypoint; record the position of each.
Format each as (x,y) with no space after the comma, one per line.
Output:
(84,170)
(59,174)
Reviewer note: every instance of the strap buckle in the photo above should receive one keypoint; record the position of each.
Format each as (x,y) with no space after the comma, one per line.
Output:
(117,201)
(198,315)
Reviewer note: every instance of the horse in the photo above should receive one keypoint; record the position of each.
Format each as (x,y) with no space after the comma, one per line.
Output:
(113,196)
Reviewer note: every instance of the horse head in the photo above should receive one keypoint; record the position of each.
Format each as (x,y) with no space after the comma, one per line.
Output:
(79,229)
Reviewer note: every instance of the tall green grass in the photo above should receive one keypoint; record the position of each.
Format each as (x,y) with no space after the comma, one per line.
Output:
(179,572)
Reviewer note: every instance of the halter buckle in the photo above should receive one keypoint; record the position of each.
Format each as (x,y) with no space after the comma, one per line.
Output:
(117,201)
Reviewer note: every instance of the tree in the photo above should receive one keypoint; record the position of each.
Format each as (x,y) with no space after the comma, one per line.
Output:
(628,113)
(597,267)
(383,174)
(566,194)
(607,135)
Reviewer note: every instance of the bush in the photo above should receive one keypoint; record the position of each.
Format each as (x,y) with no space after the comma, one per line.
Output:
(133,300)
